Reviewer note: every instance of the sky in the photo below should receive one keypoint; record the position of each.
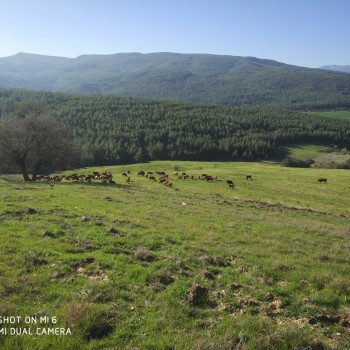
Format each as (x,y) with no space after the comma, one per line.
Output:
(309,33)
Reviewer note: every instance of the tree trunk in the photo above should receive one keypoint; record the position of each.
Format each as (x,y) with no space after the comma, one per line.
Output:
(24,169)
(35,171)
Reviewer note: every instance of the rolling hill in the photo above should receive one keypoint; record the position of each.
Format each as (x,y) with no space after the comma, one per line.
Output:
(225,80)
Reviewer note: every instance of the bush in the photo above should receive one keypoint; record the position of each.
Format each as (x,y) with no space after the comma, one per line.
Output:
(345,165)
(297,163)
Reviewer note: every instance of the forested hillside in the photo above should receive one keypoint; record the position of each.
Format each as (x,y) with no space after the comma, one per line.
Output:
(122,130)
(224,80)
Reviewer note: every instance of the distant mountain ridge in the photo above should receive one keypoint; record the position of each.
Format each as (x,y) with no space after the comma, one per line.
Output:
(336,68)
(219,79)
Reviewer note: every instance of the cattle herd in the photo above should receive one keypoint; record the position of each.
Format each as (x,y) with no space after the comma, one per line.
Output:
(155,176)
(104,177)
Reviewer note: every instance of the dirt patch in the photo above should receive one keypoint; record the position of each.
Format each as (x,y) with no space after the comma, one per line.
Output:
(33,259)
(142,253)
(115,232)
(199,296)
(53,234)
(217,261)
(274,207)
(91,269)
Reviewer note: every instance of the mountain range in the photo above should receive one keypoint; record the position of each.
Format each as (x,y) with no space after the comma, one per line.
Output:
(336,68)
(219,79)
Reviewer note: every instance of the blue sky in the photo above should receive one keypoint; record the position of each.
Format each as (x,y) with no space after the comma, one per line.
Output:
(307,33)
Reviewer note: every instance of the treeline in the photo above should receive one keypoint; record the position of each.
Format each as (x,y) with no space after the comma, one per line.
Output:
(124,130)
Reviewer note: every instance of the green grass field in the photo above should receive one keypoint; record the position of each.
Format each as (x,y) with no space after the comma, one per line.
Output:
(305,151)
(320,154)
(333,114)
(197,266)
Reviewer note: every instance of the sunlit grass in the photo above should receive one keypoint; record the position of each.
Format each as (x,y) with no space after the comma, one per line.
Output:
(116,262)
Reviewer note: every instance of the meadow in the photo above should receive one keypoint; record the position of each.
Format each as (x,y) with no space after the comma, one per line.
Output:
(322,155)
(263,265)
(333,114)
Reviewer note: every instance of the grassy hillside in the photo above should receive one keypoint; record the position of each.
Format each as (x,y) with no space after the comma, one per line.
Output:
(305,152)
(333,114)
(226,80)
(197,266)
(322,155)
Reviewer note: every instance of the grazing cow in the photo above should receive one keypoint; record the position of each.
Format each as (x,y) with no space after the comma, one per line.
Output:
(141,173)
(152,178)
(44,177)
(229,182)
(75,177)
(322,180)
(248,177)
(125,174)
(169,184)
(106,177)
(162,180)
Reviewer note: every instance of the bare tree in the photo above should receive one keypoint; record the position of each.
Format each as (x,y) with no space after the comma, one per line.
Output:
(30,139)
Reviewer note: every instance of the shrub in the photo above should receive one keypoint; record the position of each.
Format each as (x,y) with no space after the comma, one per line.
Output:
(297,163)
